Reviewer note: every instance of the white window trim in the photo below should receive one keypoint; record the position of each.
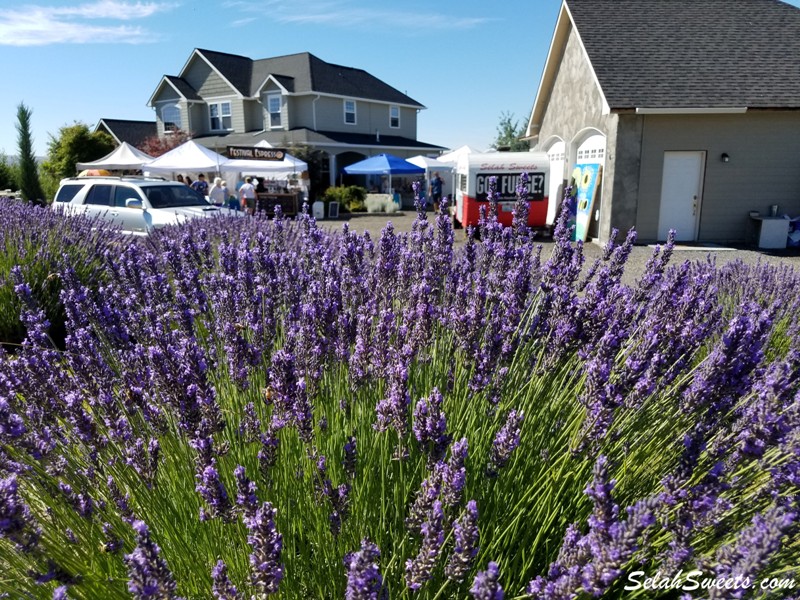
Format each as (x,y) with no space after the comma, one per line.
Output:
(394,106)
(220,115)
(354,111)
(178,123)
(280,110)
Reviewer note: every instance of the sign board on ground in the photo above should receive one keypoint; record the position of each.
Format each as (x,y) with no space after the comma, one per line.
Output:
(256,153)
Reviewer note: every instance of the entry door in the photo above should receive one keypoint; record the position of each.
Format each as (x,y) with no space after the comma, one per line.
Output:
(681,195)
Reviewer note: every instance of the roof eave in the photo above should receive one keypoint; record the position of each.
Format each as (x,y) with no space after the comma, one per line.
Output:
(696,110)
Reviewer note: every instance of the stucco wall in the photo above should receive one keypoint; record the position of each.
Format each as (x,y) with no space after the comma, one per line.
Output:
(575,111)
(764,168)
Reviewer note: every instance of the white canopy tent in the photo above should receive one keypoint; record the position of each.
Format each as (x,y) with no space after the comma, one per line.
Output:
(432,165)
(189,157)
(278,169)
(124,157)
(452,157)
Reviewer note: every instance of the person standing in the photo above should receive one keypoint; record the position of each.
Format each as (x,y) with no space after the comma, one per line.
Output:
(435,190)
(217,193)
(247,196)
(201,185)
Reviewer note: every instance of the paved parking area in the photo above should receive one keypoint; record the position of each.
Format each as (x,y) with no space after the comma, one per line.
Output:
(402,222)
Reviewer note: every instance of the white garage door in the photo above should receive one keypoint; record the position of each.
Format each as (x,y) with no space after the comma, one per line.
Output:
(556,154)
(592,151)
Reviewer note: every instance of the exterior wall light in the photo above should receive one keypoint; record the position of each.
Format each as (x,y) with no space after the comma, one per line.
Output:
(725,157)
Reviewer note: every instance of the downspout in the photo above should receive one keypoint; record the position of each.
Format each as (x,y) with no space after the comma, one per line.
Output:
(314,112)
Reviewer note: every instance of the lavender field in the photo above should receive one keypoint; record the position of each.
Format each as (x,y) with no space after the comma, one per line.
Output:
(246,408)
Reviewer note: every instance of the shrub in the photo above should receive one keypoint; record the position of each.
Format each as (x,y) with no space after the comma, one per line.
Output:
(270,407)
(42,243)
(349,197)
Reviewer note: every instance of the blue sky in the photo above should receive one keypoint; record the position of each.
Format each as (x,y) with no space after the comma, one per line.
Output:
(467,61)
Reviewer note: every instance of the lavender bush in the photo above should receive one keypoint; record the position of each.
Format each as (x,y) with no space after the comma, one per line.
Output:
(254,408)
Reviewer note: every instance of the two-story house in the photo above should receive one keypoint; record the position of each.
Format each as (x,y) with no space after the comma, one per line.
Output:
(341,113)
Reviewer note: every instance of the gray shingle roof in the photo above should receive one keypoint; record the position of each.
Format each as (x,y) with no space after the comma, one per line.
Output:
(133,132)
(184,88)
(304,73)
(692,53)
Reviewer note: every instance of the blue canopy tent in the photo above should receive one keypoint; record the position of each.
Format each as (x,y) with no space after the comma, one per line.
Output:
(384,164)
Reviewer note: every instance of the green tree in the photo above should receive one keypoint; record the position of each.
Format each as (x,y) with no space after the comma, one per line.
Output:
(29,183)
(509,132)
(8,174)
(74,144)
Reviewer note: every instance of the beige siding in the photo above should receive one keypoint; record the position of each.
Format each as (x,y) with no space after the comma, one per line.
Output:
(198,115)
(370,117)
(206,81)
(300,111)
(254,115)
(764,168)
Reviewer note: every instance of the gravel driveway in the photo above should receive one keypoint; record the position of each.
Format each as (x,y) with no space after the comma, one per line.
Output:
(402,223)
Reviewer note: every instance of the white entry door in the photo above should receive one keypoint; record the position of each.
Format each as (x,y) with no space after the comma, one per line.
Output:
(681,194)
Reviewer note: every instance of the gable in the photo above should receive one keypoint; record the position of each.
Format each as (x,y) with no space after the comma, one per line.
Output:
(204,78)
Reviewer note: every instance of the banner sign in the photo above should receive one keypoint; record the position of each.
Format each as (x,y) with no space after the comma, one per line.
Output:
(256,153)
(507,186)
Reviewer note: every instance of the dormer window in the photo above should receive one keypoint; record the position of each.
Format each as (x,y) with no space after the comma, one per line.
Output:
(274,110)
(394,117)
(350,112)
(171,118)
(220,114)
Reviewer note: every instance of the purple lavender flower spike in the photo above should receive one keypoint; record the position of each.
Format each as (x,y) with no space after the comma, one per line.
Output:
(754,547)
(111,544)
(246,498)
(16,523)
(466,536)
(266,570)
(505,442)
(592,562)
(350,457)
(222,588)
(392,411)
(60,593)
(485,586)
(150,577)
(213,491)
(453,474)
(364,580)
(521,208)
(430,426)
(420,569)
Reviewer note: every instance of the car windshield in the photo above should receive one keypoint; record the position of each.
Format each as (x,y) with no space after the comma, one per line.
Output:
(173,196)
